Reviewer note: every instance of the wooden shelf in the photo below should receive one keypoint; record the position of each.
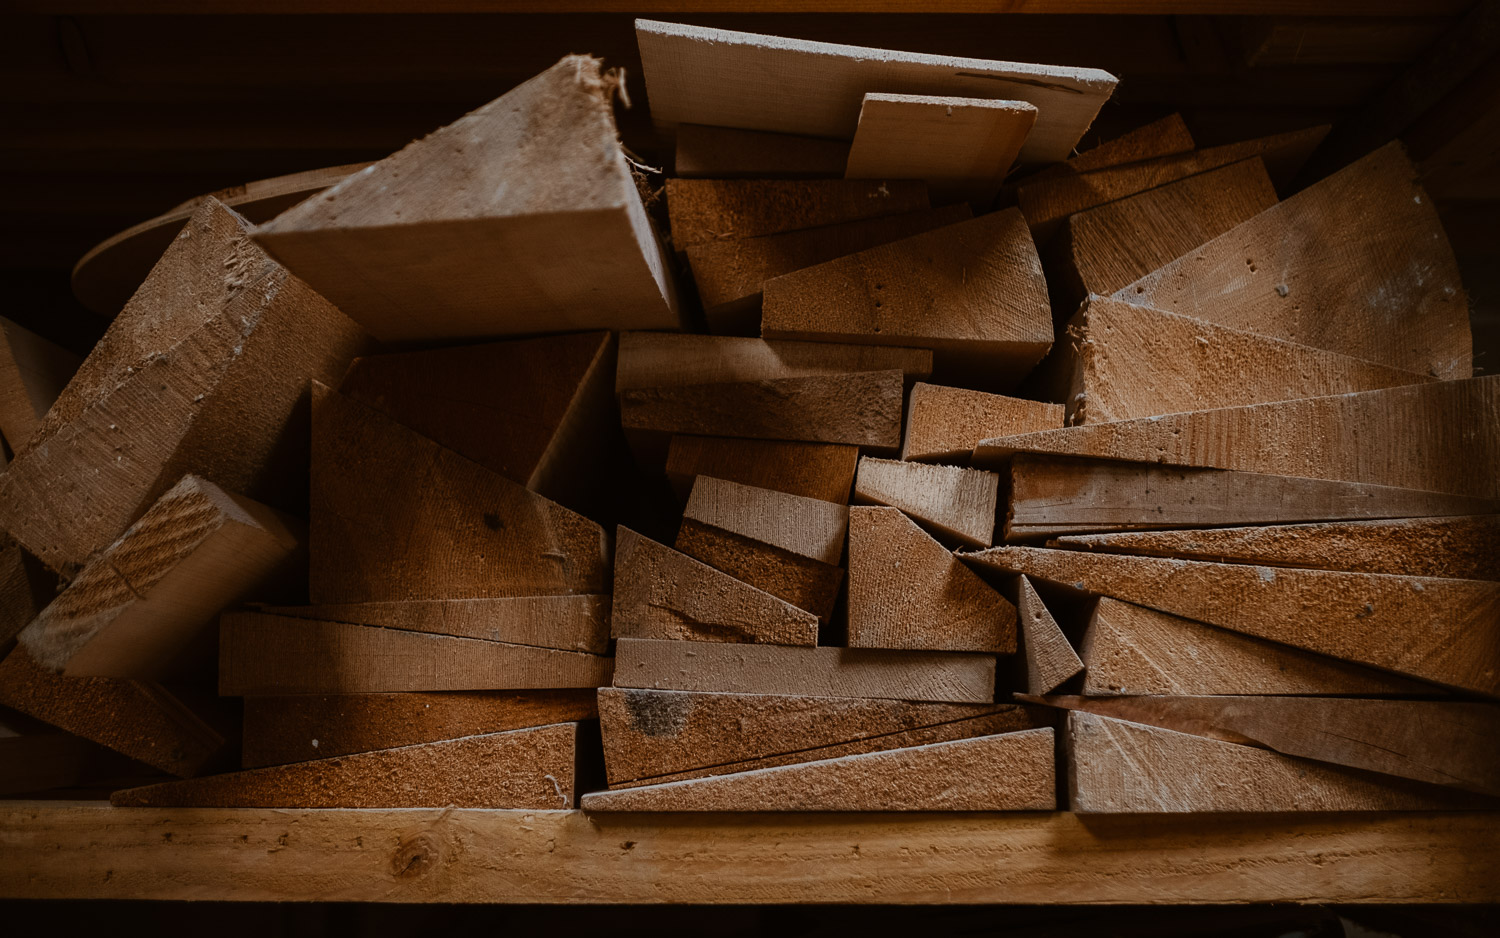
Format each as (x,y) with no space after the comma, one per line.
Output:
(62,850)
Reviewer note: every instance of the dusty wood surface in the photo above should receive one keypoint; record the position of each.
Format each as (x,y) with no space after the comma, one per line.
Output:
(658,360)
(706,152)
(33,372)
(706,210)
(955,503)
(823,471)
(1050,658)
(807,527)
(802,581)
(570,623)
(944,424)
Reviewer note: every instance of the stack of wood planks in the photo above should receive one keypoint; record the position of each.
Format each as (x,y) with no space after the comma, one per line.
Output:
(885,455)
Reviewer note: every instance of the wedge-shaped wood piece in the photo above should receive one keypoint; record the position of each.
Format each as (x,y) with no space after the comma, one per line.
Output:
(1049,656)
(1163,137)
(139,719)
(944,424)
(706,210)
(808,584)
(530,768)
(279,730)
(972,292)
(26,587)
(955,503)
(662,735)
(1437,630)
(705,152)
(1124,361)
(962,147)
(1130,649)
(1052,496)
(537,176)
(205,371)
(1116,767)
(807,527)
(465,532)
(856,409)
(261,654)
(569,623)
(661,593)
(696,74)
(724,668)
(1357,263)
(33,372)
(1405,437)
(660,360)
(824,471)
(142,601)
(1464,547)
(1005,772)
(908,591)
(1436,741)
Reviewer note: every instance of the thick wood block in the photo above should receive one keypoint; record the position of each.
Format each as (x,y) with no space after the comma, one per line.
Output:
(661,593)
(724,668)
(279,730)
(1406,437)
(33,372)
(1053,496)
(143,600)
(205,371)
(660,360)
(908,591)
(569,623)
(701,211)
(808,584)
(955,503)
(1357,263)
(1116,767)
(706,152)
(1164,137)
(537,176)
(944,424)
(1049,656)
(261,655)
(661,735)
(465,532)
(824,471)
(972,292)
(807,527)
(696,74)
(1130,649)
(1005,772)
(1437,630)
(962,147)
(530,768)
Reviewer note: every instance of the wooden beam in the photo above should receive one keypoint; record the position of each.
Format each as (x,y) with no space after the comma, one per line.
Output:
(702,211)
(1049,656)
(704,152)
(659,360)
(568,623)
(33,372)
(944,424)
(823,471)
(954,503)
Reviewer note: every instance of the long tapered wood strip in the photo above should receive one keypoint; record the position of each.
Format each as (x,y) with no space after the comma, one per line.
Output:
(957,504)
(802,581)
(706,210)
(528,768)
(1406,437)
(261,654)
(823,471)
(807,527)
(1050,658)
(723,668)
(33,372)
(660,360)
(570,623)
(944,424)
(1164,137)
(1434,629)
(706,152)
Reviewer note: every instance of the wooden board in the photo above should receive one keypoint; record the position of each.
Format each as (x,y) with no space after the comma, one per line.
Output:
(1163,137)
(1403,437)
(33,372)
(278,730)
(962,147)
(807,527)
(955,504)
(944,424)
(1005,772)
(823,471)
(703,211)
(1437,630)
(267,655)
(217,345)
(407,246)
(464,533)
(661,593)
(972,292)
(1357,263)
(1049,656)
(722,668)
(529,768)
(908,591)
(1130,649)
(705,152)
(1052,496)
(1116,767)
(660,360)
(696,74)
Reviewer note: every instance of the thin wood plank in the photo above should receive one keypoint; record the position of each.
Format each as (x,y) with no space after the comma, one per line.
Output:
(33,372)
(702,211)
(1050,658)
(804,582)
(705,152)
(955,503)
(807,527)
(944,424)
(1163,137)
(658,360)
(823,471)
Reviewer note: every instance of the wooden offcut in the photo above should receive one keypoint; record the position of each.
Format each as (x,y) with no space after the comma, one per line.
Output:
(1163,137)
(1049,656)
(660,360)
(705,152)
(944,424)
(33,372)
(701,211)
(824,471)
(26,587)
(956,504)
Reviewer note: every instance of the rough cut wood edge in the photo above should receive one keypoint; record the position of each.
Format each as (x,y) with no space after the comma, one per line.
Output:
(944,424)
(807,527)
(957,503)
(1050,658)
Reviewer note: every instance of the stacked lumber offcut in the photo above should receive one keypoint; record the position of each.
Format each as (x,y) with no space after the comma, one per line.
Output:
(884,455)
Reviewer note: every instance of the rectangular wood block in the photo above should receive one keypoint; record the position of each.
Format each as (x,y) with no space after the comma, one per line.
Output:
(706,210)
(569,623)
(706,152)
(956,504)
(944,424)
(824,471)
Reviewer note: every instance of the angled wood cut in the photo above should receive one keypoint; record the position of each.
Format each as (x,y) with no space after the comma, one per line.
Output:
(702,211)
(824,471)
(705,152)
(955,503)
(807,527)
(1050,658)
(944,424)
(661,360)
(33,372)
(1164,137)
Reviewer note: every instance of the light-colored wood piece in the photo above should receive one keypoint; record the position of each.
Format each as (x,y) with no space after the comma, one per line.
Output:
(262,654)
(1005,772)
(702,211)
(661,593)
(944,424)
(660,360)
(962,147)
(823,471)
(908,591)
(407,245)
(955,503)
(1050,658)
(972,292)
(696,74)
(807,527)
(569,623)
(33,372)
(724,668)
(705,152)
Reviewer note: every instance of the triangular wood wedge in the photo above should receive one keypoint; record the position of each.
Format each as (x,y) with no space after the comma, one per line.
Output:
(661,593)
(908,591)
(570,623)
(1437,630)
(707,152)
(537,176)
(944,424)
(464,532)
(703,211)
(814,470)
(1050,658)
(1006,772)
(33,372)
(1162,137)
(530,768)
(956,504)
